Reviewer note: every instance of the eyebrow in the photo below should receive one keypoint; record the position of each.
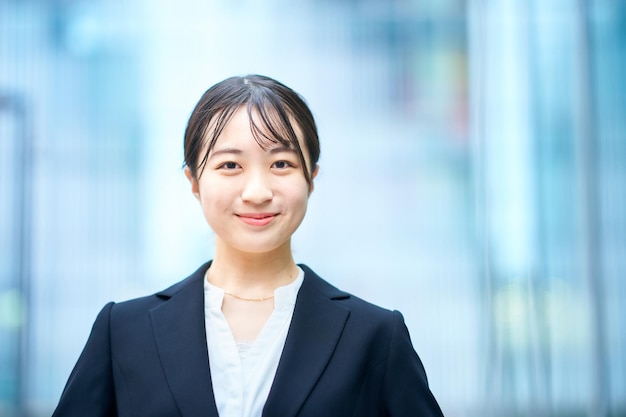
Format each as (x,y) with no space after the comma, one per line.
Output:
(235,151)
(280,149)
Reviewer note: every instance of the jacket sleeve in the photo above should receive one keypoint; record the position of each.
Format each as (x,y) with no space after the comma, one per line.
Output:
(89,391)
(406,392)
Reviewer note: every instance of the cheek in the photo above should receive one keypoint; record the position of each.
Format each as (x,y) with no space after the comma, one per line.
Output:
(213,198)
(299,196)
(212,185)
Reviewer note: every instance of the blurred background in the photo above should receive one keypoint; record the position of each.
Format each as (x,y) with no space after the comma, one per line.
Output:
(473,176)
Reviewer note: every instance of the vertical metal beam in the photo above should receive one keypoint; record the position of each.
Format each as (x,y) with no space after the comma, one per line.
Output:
(592,225)
(491,394)
(22,199)
(542,377)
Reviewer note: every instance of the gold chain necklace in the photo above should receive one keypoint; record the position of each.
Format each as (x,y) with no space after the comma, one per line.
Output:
(248,299)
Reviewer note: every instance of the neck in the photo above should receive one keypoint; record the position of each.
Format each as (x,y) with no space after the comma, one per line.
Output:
(252,274)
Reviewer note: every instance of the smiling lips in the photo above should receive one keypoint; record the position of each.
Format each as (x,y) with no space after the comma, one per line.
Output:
(257,219)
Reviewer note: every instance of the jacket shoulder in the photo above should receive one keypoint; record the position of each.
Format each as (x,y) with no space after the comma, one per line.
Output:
(146,303)
(355,304)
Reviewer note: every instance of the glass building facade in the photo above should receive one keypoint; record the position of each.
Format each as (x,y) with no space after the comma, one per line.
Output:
(472,176)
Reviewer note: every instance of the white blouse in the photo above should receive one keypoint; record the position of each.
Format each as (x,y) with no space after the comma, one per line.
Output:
(242,373)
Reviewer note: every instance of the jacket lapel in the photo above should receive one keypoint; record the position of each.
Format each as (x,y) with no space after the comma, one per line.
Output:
(315,329)
(179,332)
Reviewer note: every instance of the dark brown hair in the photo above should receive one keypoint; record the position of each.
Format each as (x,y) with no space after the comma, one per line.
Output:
(277,107)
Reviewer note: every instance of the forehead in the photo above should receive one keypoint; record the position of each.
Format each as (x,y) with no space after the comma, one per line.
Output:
(237,128)
(264,126)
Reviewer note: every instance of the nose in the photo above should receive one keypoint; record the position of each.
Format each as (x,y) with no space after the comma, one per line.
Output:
(256,189)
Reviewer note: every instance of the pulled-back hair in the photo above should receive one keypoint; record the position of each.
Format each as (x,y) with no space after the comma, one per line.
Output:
(277,106)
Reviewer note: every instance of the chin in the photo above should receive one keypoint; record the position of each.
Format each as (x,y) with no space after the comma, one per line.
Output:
(259,248)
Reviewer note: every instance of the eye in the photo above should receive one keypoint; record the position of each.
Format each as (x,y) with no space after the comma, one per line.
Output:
(230,165)
(282,164)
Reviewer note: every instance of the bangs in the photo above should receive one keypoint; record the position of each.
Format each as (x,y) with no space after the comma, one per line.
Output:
(270,124)
(277,115)
(273,125)
(212,131)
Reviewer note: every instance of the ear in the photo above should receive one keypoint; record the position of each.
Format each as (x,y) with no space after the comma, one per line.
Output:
(313,175)
(194,183)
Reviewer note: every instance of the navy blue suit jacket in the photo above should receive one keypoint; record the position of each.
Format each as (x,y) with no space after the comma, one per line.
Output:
(342,357)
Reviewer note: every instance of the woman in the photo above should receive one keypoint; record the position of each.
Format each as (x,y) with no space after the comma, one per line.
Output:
(250,333)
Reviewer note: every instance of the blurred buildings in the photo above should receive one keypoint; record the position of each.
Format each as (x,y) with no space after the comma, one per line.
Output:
(472,176)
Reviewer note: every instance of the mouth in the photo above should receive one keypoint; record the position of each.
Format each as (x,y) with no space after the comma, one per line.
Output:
(257,219)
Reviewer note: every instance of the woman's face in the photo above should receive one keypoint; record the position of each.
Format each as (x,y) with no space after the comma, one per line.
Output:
(254,199)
